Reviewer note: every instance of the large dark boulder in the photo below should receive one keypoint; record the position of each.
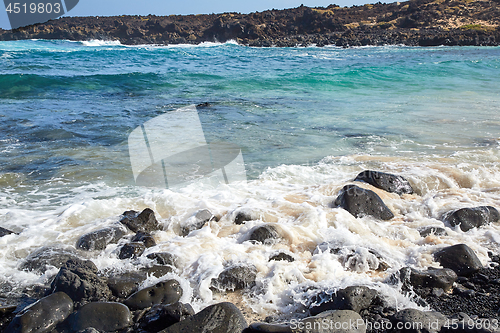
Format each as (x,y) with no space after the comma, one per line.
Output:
(197,221)
(140,222)
(236,277)
(218,318)
(166,292)
(361,202)
(469,218)
(460,258)
(42,316)
(416,321)
(81,282)
(99,239)
(266,234)
(103,316)
(160,317)
(41,259)
(385,181)
(131,250)
(355,298)
(335,321)
(145,238)
(123,285)
(163,258)
(430,278)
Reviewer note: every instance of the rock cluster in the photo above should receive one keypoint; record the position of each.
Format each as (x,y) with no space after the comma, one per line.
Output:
(80,298)
(415,22)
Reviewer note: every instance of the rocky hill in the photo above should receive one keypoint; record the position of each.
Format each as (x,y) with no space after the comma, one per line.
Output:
(415,22)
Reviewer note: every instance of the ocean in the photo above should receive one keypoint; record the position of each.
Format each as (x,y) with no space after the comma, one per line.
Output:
(305,120)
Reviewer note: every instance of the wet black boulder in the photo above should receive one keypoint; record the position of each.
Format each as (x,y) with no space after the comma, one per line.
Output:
(42,316)
(99,239)
(236,277)
(460,258)
(131,250)
(47,256)
(431,278)
(163,258)
(385,181)
(355,298)
(416,321)
(219,318)
(469,218)
(166,292)
(79,280)
(266,234)
(103,316)
(197,221)
(144,221)
(361,202)
(160,317)
(144,238)
(123,285)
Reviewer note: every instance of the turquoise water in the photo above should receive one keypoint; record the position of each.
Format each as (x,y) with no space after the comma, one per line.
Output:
(307,121)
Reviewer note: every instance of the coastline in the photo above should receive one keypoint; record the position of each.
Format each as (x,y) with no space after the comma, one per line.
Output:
(411,23)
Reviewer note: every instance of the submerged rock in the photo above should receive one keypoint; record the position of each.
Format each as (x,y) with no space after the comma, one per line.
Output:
(242,217)
(361,202)
(48,256)
(160,317)
(140,222)
(430,278)
(236,277)
(218,318)
(385,181)
(163,258)
(469,218)
(197,221)
(354,298)
(131,250)
(266,234)
(80,282)
(166,292)
(99,239)
(282,256)
(42,316)
(438,231)
(103,316)
(157,270)
(460,258)
(145,238)
(5,232)
(358,259)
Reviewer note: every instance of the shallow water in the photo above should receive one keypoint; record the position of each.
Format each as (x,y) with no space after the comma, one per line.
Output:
(307,120)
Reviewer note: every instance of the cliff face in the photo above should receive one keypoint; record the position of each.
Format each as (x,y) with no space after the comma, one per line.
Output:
(415,22)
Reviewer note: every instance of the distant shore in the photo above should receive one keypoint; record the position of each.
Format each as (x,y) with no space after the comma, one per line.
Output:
(412,23)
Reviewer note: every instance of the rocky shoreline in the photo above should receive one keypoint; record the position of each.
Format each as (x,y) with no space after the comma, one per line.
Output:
(462,296)
(412,23)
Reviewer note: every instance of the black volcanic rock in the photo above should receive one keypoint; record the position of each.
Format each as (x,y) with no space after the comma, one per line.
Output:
(99,239)
(460,258)
(385,181)
(221,318)
(361,202)
(236,277)
(413,23)
(166,292)
(144,221)
(355,298)
(160,317)
(469,218)
(43,315)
